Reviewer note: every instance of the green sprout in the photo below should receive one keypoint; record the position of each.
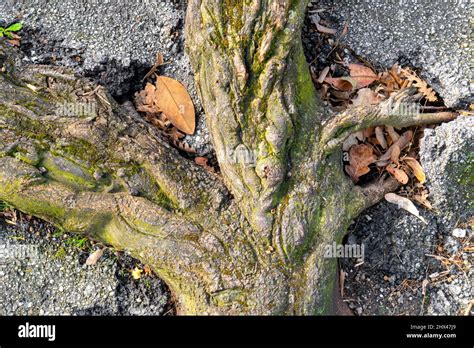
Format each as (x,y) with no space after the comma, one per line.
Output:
(11,29)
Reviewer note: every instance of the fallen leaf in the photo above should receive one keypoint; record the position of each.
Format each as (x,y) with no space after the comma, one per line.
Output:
(395,73)
(381,137)
(360,157)
(413,80)
(204,162)
(404,203)
(392,133)
(14,42)
(350,141)
(398,174)
(416,168)
(365,97)
(362,74)
(147,270)
(341,95)
(342,83)
(137,273)
(424,284)
(368,132)
(395,155)
(94,257)
(325,30)
(173,100)
(401,143)
(323,75)
(351,172)
(423,200)
(342,279)
(183,146)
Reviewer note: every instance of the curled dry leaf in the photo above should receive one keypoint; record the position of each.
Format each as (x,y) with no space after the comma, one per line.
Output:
(404,203)
(422,86)
(392,133)
(368,132)
(323,75)
(365,97)
(362,74)
(416,168)
(424,284)
(325,30)
(422,198)
(350,141)
(360,157)
(381,137)
(395,155)
(94,257)
(342,83)
(159,60)
(147,270)
(398,174)
(204,162)
(401,143)
(173,100)
(342,278)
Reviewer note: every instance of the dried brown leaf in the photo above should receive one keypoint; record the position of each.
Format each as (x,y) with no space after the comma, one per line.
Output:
(325,30)
(342,83)
(392,133)
(94,257)
(423,199)
(173,99)
(404,203)
(414,80)
(401,143)
(360,157)
(159,60)
(323,75)
(395,155)
(416,168)
(398,174)
(381,137)
(362,74)
(365,97)
(204,162)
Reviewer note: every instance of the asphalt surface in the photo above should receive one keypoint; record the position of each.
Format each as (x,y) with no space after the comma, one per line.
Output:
(433,36)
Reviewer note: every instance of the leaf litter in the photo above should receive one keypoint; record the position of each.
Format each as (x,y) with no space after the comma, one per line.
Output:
(165,103)
(383,149)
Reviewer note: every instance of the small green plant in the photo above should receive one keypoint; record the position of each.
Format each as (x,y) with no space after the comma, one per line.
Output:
(60,253)
(10,29)
(79,243)
(4,206)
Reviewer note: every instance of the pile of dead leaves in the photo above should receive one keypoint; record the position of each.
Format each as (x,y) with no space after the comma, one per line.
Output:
(383,149)
(377,150)
(167,105)
(360,85)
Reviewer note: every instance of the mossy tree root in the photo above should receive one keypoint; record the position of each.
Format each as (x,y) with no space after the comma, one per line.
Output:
(249,242)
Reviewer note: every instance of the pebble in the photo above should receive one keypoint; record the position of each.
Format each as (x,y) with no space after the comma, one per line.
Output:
(459,233)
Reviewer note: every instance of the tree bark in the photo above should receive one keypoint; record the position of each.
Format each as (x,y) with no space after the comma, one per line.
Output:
(250,241)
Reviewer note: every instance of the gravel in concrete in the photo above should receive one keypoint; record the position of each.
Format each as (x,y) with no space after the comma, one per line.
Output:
(113,42)
(433,36)
(43,272)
